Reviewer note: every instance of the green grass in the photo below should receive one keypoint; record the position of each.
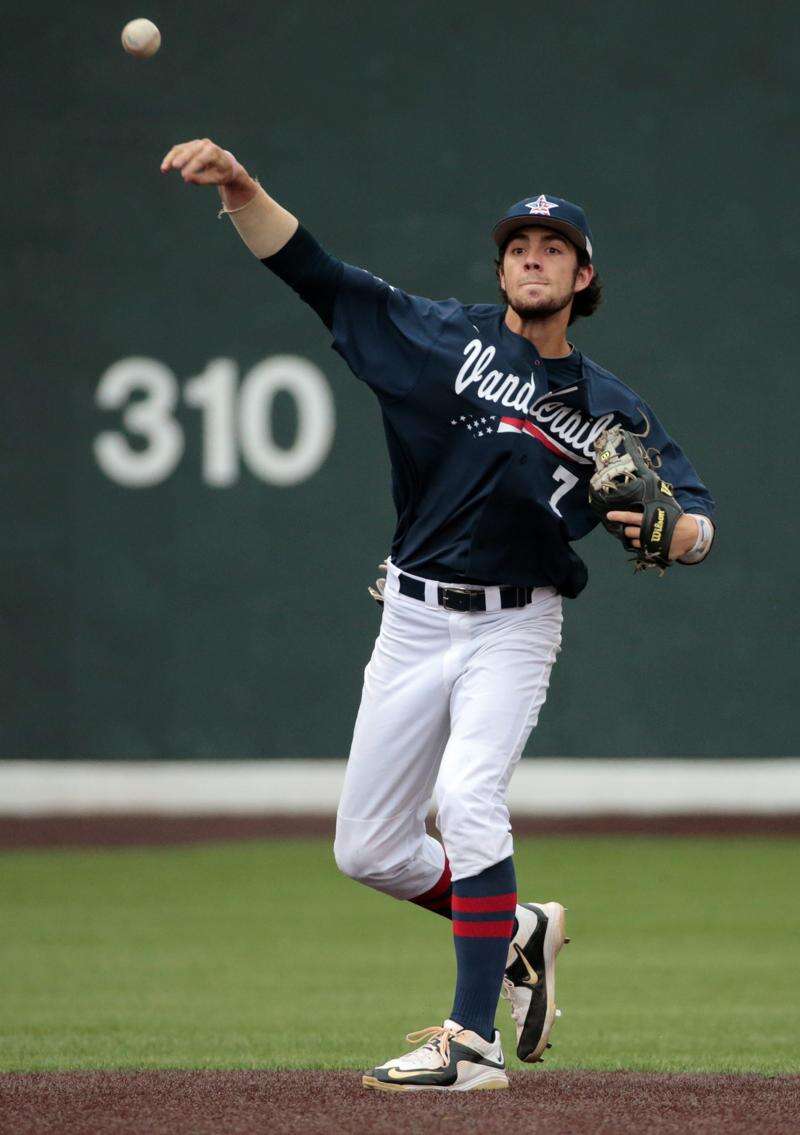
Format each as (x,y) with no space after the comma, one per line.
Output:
(684,957)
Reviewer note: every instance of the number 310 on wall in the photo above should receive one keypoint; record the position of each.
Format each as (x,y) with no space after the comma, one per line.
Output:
(236,419)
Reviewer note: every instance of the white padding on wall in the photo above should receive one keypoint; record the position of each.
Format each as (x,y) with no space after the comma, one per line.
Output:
(541,786)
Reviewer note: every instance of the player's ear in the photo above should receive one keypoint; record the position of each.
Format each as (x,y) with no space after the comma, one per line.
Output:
(583,277)
(498,268)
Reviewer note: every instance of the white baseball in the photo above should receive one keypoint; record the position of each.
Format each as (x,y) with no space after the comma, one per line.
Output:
(141,38)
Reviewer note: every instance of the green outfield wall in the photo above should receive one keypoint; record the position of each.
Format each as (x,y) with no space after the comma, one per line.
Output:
(196,489)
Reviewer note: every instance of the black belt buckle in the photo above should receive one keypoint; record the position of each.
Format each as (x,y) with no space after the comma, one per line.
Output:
(458,598)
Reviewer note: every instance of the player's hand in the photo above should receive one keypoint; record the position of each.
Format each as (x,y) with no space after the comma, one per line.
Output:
(683,538)
(202,162)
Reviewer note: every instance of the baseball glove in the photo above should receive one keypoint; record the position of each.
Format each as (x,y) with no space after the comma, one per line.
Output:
(626,479)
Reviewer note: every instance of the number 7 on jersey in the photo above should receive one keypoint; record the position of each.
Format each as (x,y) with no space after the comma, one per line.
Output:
(568,481)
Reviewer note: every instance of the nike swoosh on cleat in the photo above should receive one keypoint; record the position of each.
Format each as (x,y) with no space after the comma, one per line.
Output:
(398,1074)
(533,977)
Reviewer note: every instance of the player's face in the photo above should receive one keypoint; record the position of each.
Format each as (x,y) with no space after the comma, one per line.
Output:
(540,273)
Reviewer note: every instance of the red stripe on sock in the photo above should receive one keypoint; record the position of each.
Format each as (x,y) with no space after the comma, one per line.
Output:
(485,905)
(483,929)
(438,890)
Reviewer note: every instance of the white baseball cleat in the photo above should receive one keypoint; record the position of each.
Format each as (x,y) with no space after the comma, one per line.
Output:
(452,1059)
(530,980)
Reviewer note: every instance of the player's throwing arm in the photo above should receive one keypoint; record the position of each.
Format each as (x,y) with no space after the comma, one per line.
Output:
(264,225)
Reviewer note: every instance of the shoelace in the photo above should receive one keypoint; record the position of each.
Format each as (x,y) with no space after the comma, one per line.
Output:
(437,1039)
(517,1011)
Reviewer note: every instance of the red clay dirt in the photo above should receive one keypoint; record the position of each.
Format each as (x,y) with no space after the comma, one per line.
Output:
(161,830)
(324,1103)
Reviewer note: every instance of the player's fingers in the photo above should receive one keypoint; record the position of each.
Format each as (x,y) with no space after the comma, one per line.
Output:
(184,152)
(197,159)
(178,156)
(211,175)
(166,161)
(207,175)
(172,155)
(626,517)
(632,531)
(220,166)
(205,156)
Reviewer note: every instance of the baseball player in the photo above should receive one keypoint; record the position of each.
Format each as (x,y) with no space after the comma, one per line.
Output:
(496,427)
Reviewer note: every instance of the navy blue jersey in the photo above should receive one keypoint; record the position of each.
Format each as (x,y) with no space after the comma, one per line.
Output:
(491,453)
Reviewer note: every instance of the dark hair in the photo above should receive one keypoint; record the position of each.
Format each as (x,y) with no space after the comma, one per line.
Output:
(585,302)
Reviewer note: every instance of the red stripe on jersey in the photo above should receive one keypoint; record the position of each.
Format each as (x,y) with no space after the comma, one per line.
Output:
(551,444)
(547,441)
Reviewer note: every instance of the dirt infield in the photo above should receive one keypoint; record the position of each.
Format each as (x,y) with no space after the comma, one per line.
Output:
(320,1103)
(160,830)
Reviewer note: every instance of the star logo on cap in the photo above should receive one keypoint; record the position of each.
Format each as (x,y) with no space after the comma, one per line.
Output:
(541,206)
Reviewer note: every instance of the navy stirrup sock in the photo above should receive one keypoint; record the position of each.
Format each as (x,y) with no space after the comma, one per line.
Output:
(483,923)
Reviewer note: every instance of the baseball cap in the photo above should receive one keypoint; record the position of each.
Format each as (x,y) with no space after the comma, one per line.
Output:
(553,213)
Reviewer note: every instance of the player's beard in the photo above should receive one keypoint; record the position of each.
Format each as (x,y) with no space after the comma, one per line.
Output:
(529,308)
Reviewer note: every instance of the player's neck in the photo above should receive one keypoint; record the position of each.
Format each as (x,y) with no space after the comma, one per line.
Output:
(548,334)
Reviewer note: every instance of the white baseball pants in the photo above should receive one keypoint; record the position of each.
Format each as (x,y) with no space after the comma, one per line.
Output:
(449,701)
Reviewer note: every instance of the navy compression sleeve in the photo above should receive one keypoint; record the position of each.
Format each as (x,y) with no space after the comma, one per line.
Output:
(310,271)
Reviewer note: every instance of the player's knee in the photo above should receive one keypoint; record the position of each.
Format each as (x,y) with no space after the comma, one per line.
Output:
(358,855)
(372,857)
(362,864)
(352,860)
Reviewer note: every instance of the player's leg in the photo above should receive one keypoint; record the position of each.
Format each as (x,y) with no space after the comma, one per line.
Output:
(498,668)
(494,706)
(401,730)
